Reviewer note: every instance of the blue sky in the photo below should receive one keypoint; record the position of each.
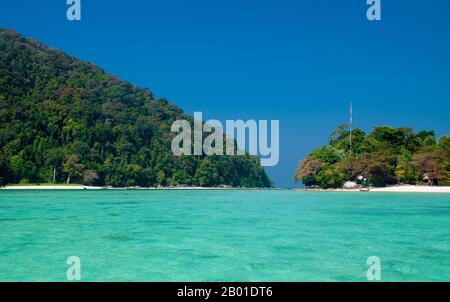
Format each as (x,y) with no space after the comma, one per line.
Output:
(297,61)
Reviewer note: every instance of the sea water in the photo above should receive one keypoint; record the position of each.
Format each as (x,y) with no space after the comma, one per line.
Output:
(226,235)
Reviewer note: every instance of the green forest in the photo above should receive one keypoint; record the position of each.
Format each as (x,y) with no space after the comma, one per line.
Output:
(67,121)
(386,156)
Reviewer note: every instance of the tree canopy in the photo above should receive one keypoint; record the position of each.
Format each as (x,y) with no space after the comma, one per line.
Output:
(64,120)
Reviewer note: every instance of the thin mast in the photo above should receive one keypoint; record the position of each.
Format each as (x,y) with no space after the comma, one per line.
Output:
(351,126)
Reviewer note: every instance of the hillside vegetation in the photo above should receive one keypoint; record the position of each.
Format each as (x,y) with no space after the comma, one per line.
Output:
(63,121)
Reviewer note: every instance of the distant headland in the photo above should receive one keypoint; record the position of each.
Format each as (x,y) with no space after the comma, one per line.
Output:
(63,121)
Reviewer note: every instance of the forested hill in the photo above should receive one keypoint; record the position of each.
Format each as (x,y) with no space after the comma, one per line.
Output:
(62,119)
(386,156)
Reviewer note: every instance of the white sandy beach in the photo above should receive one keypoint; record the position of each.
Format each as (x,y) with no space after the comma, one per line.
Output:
(50,188)
(81,187)
(394,189)
(413,189)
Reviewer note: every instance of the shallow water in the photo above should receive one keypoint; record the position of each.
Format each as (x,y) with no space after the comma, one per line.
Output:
(223,235)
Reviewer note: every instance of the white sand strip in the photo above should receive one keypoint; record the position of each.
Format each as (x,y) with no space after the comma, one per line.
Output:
(50,188)
(395,189)
(412,189)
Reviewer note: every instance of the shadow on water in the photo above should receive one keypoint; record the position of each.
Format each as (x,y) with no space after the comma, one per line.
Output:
(118,203)
(120,237)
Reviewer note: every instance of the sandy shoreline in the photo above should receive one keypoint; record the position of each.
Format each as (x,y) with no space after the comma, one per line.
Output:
(50,188)
(395,189)
(81,187)
(413,189)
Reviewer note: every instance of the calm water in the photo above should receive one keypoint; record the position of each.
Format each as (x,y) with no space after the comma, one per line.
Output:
(223,235)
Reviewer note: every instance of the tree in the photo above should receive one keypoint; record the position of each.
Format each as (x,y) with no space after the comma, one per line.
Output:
(72,167)
(393,138)
(331,177)
(426,138)
(208,174)
(444,142)
(21,168)
(90,177)
(341,133)
(307,172)
(431,166)
(326,155)
(17,164)
(54,157)
(377,168)
(405,170)
(161,178)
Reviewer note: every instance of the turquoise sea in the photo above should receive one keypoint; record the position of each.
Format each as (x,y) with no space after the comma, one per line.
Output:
(223,235)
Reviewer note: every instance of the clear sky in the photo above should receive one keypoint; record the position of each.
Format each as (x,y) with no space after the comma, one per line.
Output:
(298,61)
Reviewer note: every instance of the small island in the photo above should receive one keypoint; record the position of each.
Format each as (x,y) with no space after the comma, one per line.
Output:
(387,159)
